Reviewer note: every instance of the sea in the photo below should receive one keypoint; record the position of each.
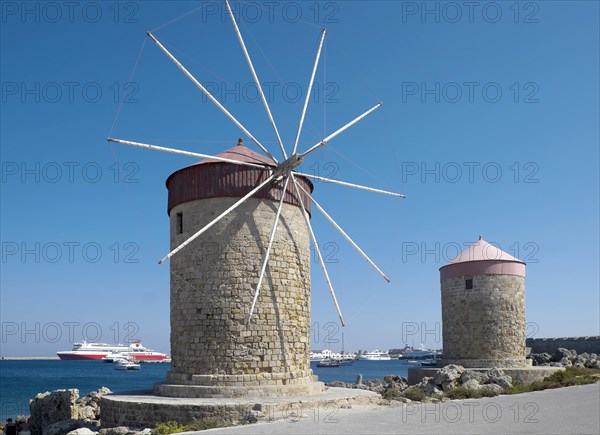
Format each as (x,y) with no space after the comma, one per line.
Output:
(21,380)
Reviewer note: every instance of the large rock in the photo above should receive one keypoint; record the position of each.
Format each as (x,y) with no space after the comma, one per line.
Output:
(497,376)
(82,431)
(52,407)
(88,413)
(561,353)
(394,379)
(566,358)
(565,362)
(119,430)
(122,430)
(468,375)
(88,407)
(448,377)
(593,363)
(541,358)
(471,384)
(432,389)
(428,386)
(66,426)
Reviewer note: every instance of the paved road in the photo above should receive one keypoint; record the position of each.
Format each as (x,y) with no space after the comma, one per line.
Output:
(572,410)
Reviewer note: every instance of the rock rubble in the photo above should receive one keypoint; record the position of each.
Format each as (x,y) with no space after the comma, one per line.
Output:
(566,358)
(63,411)
(445,379)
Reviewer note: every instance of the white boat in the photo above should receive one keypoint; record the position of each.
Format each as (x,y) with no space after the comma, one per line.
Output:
(329,363)
(126,364)
(418,354)
(113,357)
(137,352)
(134,350)
(375,355)
(322,354)
(317,356)
(85,350)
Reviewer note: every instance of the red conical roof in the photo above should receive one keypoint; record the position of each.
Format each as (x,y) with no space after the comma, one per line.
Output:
(482,258)
(482,251)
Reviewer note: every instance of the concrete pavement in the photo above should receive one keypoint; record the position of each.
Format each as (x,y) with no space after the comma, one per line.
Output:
(571,410)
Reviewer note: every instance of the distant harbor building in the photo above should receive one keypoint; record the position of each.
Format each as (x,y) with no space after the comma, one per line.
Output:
(483,308)
(215,351)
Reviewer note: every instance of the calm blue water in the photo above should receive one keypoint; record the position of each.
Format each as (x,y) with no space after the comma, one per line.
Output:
(22,380)
(369,370)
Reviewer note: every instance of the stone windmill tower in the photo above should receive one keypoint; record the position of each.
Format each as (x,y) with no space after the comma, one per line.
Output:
(483,308)
(214,350)
(240,281)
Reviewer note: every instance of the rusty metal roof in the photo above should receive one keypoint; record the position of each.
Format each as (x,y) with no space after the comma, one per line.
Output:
(211,178)
(242,154)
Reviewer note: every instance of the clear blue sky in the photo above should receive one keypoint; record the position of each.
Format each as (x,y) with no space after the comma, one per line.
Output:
(489,126)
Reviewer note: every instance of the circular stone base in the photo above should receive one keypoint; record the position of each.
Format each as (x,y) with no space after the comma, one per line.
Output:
(211,391)
(477,363)
(143,409)
(523,376)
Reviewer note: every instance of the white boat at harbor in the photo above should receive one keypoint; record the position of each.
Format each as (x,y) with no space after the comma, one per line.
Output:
(419,353)
(375,355)
(113,357)
(133,350)
(329,354)
(126,364)
(85,350)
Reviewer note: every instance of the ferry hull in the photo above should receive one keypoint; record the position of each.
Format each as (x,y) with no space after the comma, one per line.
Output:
(102,355)
(147,357)
(72,356)
(95,351)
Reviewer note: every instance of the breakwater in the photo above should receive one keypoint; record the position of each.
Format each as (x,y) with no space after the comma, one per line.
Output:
(589,344)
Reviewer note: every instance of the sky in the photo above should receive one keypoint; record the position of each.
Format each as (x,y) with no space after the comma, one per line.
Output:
(489,125)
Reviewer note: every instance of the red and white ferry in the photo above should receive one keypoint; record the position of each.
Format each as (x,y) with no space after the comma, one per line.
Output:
(134,350)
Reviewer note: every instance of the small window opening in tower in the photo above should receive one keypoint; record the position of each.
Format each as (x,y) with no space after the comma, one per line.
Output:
(179,223)
(468,284)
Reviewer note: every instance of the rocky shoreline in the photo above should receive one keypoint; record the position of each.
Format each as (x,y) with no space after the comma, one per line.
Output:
(492,382)
(566,358)
(64,412)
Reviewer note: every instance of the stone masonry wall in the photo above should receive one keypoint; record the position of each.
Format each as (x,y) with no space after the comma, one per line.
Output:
(578,344)
(212,287)
(484,326)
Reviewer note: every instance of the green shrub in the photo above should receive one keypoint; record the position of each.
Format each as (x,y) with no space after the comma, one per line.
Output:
(414,393)
(174,427)
(517,389)
(167,428)
(489,393)
(559,376)
(392,393)
(460,393)
(464,393)
(564,378)
(209,423)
